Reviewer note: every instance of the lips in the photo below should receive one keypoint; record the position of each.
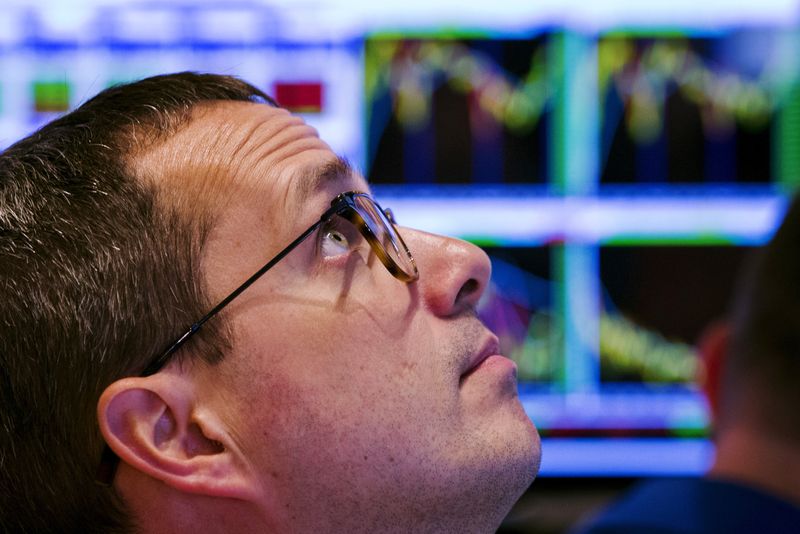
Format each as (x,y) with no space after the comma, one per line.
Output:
(490,347)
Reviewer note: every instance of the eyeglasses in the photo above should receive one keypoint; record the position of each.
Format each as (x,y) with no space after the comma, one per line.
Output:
(374,223)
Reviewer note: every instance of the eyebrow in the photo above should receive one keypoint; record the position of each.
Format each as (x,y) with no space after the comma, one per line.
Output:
(332,171)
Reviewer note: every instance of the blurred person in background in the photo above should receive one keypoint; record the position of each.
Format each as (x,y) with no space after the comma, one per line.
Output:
(752,382)
(209,325)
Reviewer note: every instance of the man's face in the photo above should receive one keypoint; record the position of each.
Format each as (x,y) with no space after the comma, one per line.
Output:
(355,397)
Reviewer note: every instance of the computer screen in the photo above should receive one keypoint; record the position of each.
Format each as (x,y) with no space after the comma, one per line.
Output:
(713,108)
(457,111)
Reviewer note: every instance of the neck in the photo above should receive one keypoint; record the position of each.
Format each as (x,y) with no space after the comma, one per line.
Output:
(755,458)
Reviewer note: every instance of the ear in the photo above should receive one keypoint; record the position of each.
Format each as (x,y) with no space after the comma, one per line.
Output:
(155,425)
(713,350)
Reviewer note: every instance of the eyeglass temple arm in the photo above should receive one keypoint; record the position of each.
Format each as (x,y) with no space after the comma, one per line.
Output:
(156,364)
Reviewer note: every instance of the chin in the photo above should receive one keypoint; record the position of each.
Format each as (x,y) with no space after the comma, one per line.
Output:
(500,482)
(521,449)
(530,453)
(506,466)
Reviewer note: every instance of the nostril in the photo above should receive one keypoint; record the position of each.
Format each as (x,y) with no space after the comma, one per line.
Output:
(469,288)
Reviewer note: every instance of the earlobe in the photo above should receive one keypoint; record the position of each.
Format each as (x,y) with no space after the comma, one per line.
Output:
(154,424)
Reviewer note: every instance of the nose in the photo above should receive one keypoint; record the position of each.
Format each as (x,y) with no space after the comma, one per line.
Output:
(453,274)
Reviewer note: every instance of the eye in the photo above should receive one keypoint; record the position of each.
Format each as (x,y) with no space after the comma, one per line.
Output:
(338,238)
(333,242)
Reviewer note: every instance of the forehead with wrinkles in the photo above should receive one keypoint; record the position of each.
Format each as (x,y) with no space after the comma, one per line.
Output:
(242,173)
(237,149)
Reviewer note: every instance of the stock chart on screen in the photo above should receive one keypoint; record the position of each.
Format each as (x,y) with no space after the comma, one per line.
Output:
(711,109)
(457,110)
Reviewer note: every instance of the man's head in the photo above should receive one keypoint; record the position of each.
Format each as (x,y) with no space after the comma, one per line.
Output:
(328,392)
(753,367)
(760,374)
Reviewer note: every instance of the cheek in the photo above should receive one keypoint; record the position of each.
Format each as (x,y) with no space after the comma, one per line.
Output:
(334,370)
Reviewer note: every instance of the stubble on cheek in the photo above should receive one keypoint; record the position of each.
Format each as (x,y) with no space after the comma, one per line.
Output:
(363,398)
(340,430)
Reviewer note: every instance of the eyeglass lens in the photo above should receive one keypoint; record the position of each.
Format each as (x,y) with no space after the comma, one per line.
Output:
(385,233)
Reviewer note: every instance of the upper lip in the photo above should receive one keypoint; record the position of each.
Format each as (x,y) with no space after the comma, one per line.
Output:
(490,346)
